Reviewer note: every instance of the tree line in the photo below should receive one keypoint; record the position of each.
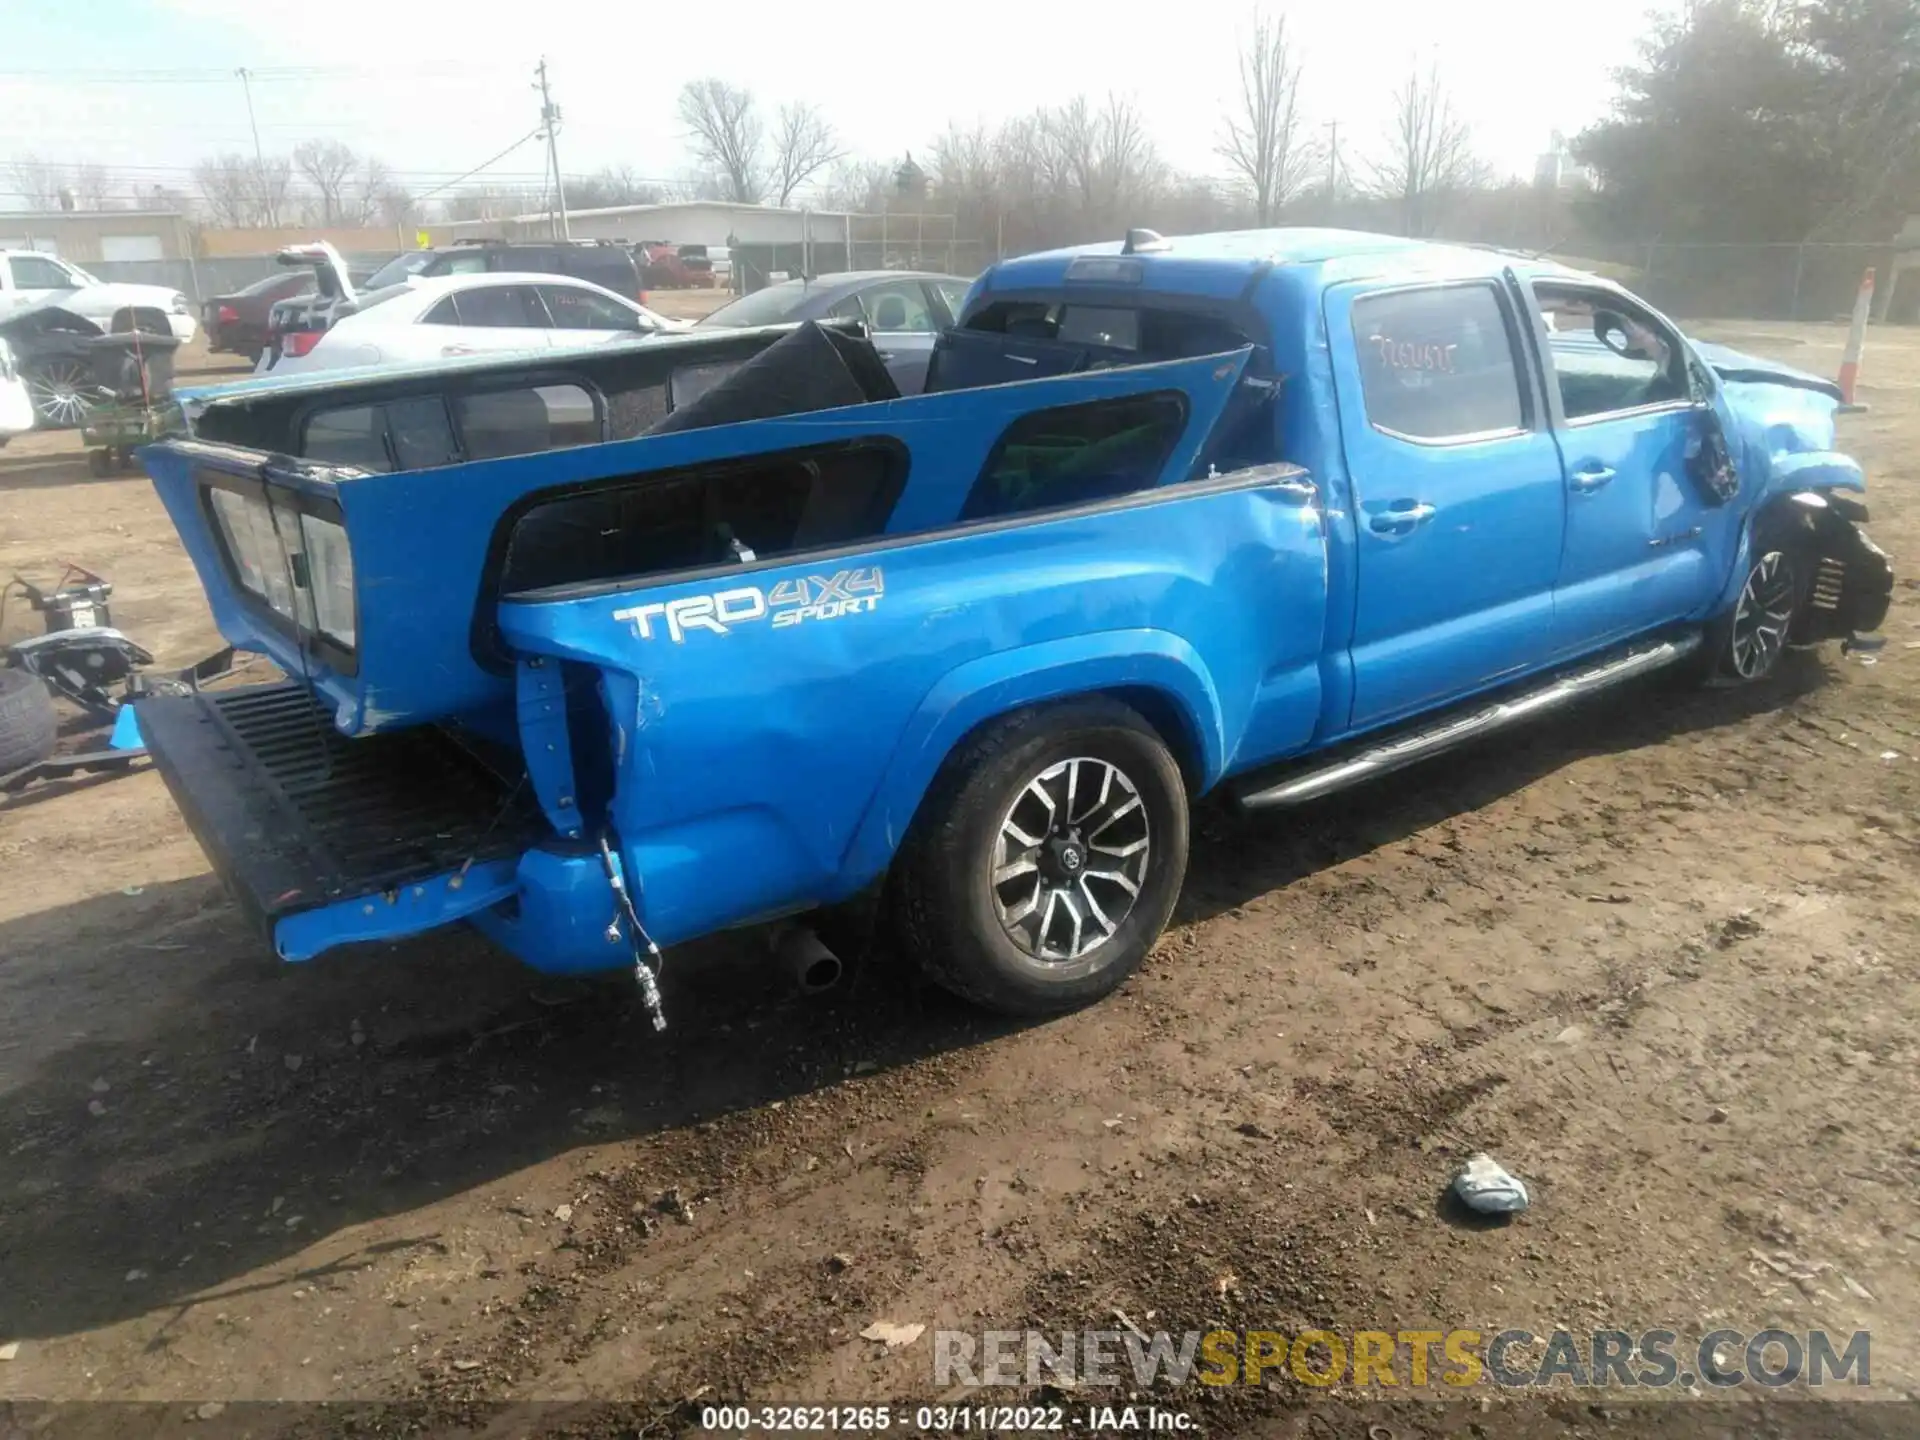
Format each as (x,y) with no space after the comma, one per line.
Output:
(1776,120)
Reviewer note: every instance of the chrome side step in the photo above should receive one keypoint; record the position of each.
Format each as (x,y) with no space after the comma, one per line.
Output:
(1417,745)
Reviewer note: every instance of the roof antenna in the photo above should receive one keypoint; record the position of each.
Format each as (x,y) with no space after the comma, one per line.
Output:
(1144,242)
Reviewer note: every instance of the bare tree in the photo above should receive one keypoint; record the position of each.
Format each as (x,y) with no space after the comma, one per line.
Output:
(36,181)
(328,166)
(1262,143)
(1429,152)
(46,186)
(377,196)
(240,191)
(803,145)
(1101,158)
(269,183)
(857,185)
(726,134)
(222,182)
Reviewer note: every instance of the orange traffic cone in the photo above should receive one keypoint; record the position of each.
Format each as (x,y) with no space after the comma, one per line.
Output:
(1856,342)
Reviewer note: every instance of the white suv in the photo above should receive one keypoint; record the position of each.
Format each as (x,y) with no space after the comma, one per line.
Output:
(28,277)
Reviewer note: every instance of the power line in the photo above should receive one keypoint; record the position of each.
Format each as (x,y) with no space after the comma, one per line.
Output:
(186,76)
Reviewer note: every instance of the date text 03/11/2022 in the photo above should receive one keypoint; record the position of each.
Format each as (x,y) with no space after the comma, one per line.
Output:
(942,1419)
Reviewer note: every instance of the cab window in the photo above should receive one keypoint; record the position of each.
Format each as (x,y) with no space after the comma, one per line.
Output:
(1607,355)
(1437,364)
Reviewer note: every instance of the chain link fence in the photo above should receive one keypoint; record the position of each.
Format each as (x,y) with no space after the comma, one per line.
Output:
(1812,282)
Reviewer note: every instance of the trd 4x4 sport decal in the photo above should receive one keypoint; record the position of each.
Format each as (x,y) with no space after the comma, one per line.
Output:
(791,602)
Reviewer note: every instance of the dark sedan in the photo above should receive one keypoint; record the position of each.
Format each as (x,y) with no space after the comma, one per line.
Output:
(237,323)
(905,310)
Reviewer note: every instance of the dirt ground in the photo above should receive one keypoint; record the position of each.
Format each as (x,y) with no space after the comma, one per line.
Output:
(1658,958)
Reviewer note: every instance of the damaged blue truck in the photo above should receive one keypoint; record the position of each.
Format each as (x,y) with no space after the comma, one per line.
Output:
(601,651)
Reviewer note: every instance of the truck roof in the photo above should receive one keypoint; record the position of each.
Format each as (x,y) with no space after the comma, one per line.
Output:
(1222,263)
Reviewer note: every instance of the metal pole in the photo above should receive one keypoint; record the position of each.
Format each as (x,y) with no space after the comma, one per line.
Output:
(848,218)
(259,158)
(186,248)
(1799,263)
(550,117)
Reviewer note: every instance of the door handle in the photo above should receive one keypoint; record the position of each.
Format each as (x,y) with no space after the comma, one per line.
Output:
(1591,478)
(456,350)
(1402,518)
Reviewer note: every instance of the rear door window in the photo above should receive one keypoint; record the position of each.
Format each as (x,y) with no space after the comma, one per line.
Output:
(1437,364)
(495,423)
(409,434)
(711,515)
(1077,454)
(500,307)
(575,309)
(352,436)
(899,306)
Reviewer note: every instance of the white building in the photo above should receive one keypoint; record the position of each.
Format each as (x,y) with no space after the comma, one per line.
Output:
(691,222)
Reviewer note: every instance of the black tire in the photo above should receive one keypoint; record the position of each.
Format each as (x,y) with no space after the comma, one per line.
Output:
(947,911)
(1744,646)
(27,720)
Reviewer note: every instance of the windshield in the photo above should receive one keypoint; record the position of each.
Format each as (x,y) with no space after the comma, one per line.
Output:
(399,268)
(764,307)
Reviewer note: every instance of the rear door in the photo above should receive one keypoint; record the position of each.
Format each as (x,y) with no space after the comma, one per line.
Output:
(485,317)
(1457,489)
(578,316)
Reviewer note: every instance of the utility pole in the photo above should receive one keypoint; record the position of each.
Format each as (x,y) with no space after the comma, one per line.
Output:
(550,118)
(1333,160)
(259,159)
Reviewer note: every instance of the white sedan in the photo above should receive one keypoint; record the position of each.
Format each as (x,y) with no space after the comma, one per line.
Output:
(452,315)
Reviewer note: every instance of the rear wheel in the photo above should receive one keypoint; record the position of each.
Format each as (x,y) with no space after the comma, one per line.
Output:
(59,390)
(1046,860)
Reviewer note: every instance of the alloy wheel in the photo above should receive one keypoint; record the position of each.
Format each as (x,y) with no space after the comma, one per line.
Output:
(58,390)
(1070,859)
(1762,616)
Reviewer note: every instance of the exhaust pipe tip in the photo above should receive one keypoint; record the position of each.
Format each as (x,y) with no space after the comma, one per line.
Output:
(813,967)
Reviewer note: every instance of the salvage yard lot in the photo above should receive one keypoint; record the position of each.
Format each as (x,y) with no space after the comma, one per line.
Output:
(1659,958)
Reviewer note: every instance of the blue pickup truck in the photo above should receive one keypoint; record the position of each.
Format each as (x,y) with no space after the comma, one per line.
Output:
(600,652)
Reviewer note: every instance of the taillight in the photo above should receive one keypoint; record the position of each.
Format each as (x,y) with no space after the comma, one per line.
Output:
(227,315)
(300,342)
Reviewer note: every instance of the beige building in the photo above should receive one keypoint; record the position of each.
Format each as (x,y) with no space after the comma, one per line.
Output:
(94,236)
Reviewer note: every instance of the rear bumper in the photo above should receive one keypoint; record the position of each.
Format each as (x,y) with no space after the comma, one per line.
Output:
(324,840)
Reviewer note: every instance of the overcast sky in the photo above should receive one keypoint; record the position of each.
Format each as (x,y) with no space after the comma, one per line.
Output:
(434,87)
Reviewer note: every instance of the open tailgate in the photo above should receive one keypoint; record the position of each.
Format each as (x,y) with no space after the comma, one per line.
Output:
(322,839)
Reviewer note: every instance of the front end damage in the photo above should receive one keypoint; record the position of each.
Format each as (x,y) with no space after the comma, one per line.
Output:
(1783,434)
